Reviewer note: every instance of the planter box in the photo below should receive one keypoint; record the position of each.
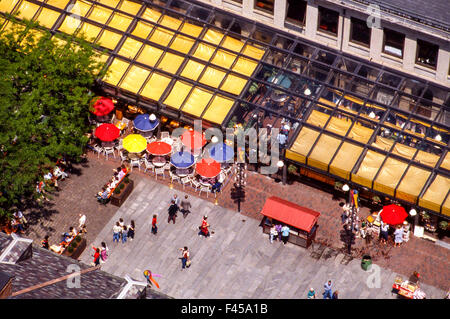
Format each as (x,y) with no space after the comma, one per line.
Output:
(118,199)
(77,251)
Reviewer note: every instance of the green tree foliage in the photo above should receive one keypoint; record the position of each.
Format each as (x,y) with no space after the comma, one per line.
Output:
(45,87)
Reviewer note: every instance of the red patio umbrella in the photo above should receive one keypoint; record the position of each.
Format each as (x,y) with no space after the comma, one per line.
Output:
(101,106)
(208,168)
(193,139)
(107,132)
(393,214)
(159,148)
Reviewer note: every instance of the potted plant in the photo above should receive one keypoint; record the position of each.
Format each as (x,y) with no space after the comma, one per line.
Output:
(122,192)
(442,229)
(292,170)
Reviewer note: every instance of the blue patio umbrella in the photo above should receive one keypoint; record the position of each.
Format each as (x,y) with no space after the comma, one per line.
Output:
(143,123)
(281,80)
(221,152)
(182,160)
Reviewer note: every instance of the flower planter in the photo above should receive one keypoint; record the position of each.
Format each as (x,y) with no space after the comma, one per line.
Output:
(78,250)
(118,199)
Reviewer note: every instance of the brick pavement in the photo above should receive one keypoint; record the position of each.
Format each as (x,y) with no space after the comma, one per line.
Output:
(431,260)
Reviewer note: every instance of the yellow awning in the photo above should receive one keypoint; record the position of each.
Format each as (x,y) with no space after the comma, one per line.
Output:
(7,5)
(253,52)
(69,25)
(134,79)
(192,70)
(177,95)
(130,48)
(204,51)
(435,194)
(170,62)
(368,169)
(110,3)
(100,14)
(109,39)
(232,44)
(322,153)
(170,22)
(446,162)
(149,55)
(151,15)
(182,44)
(389,176)
(212,77)
(360,133)
(155,86)
(213,36)
(47,17)
(245,66)
(130,7)
(233,84)
(142,29)
(120,22)
(411,185)
(383,143)
(302,144)
(345,159)
(161,36)
(27,10)
(61,4)
(197,102)
(218,109)
(317,118)
(223,59)
(90,31)
(115,71)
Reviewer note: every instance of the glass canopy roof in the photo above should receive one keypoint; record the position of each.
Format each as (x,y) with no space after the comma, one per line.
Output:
(349,119)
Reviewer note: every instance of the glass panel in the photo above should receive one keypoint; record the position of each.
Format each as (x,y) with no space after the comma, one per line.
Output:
(223,59)
(161,36)
(47,17)
(296,11)
(233,84)
(149,55)
(90,31)
(142,29)
(151,15)
(178,94)
(155,86)
(109,39)
(27,10)
(7,5)
(130,7)
(233,44)
(276,58)
(325,57)
(204,51)
(192,70)
(100,14)
(245,66)
(283,43)
(115,71)
(130,48)
(199,13)
(212,77)
(134,79)
(218,109)
(197,102)
(328,20)
(120,22)
(390,79)
(360,32)
(170,62)
(389,176)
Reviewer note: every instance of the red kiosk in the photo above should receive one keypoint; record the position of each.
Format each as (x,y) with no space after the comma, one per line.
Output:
(301,221)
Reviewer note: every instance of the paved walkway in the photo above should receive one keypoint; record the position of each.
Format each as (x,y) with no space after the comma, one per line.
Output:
(238,261)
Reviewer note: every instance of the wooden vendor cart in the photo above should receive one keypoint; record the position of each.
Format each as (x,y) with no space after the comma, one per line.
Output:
(301,221)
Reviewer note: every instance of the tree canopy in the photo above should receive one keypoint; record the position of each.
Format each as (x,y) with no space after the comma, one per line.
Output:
(45,89)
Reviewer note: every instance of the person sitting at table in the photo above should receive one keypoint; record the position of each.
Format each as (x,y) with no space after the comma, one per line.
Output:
(17,225)
(58,172)
(216,187)
(115,181)
(67,237)
(103,194)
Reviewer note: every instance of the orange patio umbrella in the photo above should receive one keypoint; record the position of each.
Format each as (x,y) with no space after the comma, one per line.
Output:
(159,148)
(193,139)
(208,168)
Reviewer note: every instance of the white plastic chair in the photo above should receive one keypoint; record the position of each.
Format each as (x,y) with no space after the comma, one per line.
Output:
(123,158)
(109,150)
(222,177)
(135,163)
(174,177)
(206,189)
(185,180)
(148,166)
(164,135)
(166,166)
(194,183)
(159,171)
(98,149)
(119,146)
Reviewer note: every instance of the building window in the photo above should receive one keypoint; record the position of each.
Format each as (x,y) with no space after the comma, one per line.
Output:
(265,5)
(359,32)
(328,20)
(394,43)
(236,1)
(296,11)
(427,53)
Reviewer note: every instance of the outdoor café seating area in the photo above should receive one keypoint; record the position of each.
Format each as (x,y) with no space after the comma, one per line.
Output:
(145,143)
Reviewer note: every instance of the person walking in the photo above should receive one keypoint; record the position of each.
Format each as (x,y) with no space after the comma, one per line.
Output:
(103,252)
(185,261)
(311,294)
(82,224)
(96,256)
(328,292)
(185,206)
(204,227)
(398,236)
(285,234)
(124,234)
(154,227)
(273,234)
(173,209)
(335,295)
(116,232)
(175,200)
(384,233)
(131,230)
(44,242)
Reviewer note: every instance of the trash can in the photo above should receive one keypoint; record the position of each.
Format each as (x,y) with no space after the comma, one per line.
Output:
(366,262)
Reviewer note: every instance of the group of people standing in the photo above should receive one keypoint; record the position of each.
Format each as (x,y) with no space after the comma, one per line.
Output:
(123,232)
(327,294)
(280,232)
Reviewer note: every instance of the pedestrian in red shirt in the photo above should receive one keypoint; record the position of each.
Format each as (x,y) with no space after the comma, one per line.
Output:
(204,227)
(154,227)
(96,256)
